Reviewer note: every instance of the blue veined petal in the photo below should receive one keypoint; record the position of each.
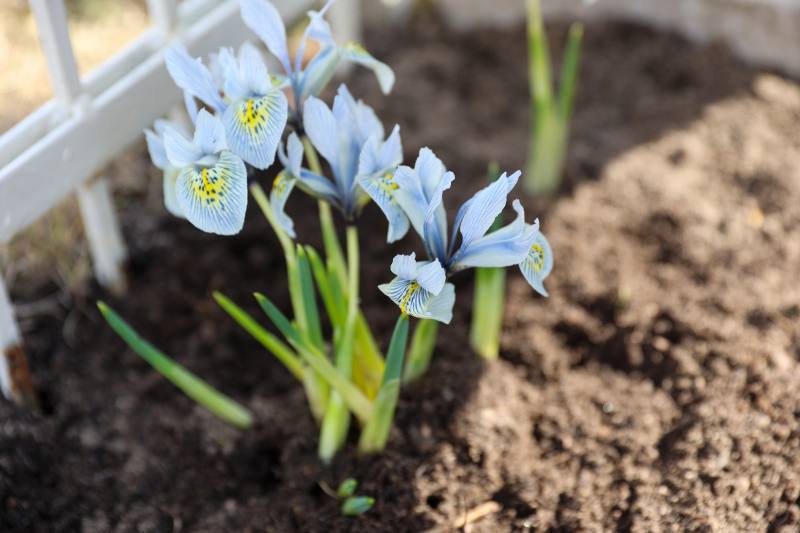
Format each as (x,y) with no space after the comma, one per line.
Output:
(436,220)
(380,187)
(214,199)
(253,70)
(356,53)
(378,157)
(484,207)
(319,72)
(538,264)
(294,160)
(254,127)
(319,187)
(431,276)
(415,301)
(322,130)
(209,134)
(404,266)
(281,189)
(430,170)
(265,21)
(411,198)
(155,146)
(440,307)
(191,106)
(191,75)
(181,152)
(355,117)
(507,246)
(170,186)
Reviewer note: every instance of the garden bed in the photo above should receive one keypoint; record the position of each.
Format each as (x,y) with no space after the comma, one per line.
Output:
(656,389)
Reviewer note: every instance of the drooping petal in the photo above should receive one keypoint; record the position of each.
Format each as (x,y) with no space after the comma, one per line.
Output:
(214,199)
(431,277)
(209,134)
(378,157)
(380,187)
(265,21)
(430,170)
(507,246)
(319,187)
(155,146)
(254,127)
(353,51)
(170,185)
(411,198)
(294,161)
(281,189)
(404,266)
(191,106)
(415,301)
(322,130)
(538,264)
(192,76)
(484,207)
(319,72)
(181,152)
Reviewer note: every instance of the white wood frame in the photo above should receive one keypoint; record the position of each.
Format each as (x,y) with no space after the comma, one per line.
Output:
(59,148)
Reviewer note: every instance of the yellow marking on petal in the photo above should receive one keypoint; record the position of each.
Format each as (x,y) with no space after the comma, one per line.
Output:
(388,184)
(357,47)
(537,258)
(412,288)
(279,184)
(254,115)
(209,185)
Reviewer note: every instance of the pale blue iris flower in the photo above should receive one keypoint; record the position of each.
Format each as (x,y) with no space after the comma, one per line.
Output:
(420,289)
(155,145)
(263,18)
(419,194)
(351,139)
(210,184)
(240,90)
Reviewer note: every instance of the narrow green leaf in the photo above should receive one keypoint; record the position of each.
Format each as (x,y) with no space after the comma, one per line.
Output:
(355,399)
(194,387)
(423,342)
(269,341)
(324,286)
(347,488)
(356,505)
(541,85)
(335,425)
(376,431)
(309,298)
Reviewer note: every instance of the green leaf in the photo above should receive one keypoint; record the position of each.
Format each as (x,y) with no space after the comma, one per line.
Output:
(347,488)
(194,387)
(569,72)
(269,341)
(356,505)
(487,311)
(376,431)
(309,298)
(420,353)
(355,399)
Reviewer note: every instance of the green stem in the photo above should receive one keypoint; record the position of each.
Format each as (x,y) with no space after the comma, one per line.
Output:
(194,387)
(487,311)
(419,354)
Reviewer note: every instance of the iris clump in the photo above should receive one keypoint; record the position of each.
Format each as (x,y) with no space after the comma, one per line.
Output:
(245,118)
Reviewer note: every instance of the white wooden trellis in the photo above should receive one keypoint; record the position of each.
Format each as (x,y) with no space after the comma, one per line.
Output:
(59,148)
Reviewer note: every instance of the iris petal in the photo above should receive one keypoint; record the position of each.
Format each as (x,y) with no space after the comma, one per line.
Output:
(254,127)
(538,264)
(209,134)
(265,21)
(484,207)
(170,185)
(353,51)
(415,301)
(214,199)
(380,188)
(321,128)
(281,189)
(155,146)
(181,152)
(404,266)
(191,75)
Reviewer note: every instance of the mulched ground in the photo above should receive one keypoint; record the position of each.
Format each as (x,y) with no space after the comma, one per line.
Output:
(656,390)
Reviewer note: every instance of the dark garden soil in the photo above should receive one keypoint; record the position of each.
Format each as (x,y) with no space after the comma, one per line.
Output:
(657,389)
